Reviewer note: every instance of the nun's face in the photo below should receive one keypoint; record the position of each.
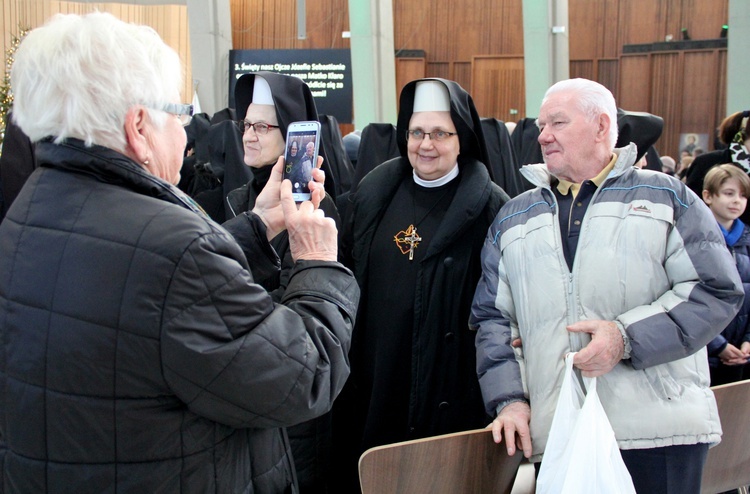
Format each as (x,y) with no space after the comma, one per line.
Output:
(262,149)
(432,159)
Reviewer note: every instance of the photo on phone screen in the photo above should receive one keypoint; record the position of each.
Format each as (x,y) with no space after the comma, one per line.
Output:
(302,143)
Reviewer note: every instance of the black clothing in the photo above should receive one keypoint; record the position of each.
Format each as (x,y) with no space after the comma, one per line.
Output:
(572,210)
(16,163)
(642,128)
(388,360)
(291,160)
(526,145)
(502,156)
(226,114)
(195,131)
(243,199)
(216,168)
(294,102)
(669,468)
(377,145)
(443,391)
(140,354)
(338,159)
(414,374)
(653,160)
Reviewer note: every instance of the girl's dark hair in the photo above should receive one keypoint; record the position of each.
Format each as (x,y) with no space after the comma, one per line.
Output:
(731,125)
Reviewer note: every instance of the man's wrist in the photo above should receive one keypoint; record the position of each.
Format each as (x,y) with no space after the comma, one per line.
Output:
(505,403)
(625,340)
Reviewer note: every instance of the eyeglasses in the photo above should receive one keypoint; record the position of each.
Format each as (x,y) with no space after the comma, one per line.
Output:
(435,135)
(261,128)
(182,112)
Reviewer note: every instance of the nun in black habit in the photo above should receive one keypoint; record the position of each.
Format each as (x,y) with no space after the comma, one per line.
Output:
(413,240)
(276,100)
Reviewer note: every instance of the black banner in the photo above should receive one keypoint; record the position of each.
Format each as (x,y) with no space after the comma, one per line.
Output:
(328,73)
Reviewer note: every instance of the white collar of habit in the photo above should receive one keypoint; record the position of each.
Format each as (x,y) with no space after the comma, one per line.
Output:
(438,181)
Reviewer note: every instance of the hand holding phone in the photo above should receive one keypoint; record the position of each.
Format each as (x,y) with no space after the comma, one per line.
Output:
(302,146)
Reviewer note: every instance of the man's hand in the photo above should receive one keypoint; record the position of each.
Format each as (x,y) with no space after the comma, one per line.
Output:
(312,236)
(513,424)
(603,352)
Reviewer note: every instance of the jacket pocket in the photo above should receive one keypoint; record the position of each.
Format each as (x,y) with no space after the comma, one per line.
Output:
(662,382)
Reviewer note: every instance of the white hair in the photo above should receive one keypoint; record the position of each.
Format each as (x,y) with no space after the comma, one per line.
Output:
(77,76)
(592,99)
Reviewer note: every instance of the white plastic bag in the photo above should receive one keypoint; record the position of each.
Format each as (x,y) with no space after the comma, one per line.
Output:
(581,456)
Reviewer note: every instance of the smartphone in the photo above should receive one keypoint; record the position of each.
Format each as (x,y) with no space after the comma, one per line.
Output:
(302,146)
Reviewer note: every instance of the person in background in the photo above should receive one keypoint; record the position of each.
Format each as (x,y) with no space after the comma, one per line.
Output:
(416,227)
(623,266)
(293,155)
(139,354)
(685,163)
(734,132)
(301,172)
(725,191)
(667,165)
(351,144)
(269,103)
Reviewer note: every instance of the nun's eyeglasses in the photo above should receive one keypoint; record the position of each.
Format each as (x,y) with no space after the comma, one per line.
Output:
(260,128)
(183,112)
(435,135)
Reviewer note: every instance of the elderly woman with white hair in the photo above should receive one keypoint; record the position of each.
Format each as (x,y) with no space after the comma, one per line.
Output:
(138,353)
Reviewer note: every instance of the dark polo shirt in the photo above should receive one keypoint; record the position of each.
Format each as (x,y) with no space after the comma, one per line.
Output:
(573,200)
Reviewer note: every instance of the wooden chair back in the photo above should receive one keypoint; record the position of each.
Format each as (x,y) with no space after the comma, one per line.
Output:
(461,463)
(728,464)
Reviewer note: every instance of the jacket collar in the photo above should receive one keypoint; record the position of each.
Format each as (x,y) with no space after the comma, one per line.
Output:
(109,166)
(539,175)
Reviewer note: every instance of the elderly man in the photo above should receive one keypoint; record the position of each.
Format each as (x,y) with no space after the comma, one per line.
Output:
(624,266)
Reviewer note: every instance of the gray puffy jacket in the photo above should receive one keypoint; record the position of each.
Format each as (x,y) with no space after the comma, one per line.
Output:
(649,257)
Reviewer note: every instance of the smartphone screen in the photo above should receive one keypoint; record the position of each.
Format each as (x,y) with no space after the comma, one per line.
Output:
(302,144)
